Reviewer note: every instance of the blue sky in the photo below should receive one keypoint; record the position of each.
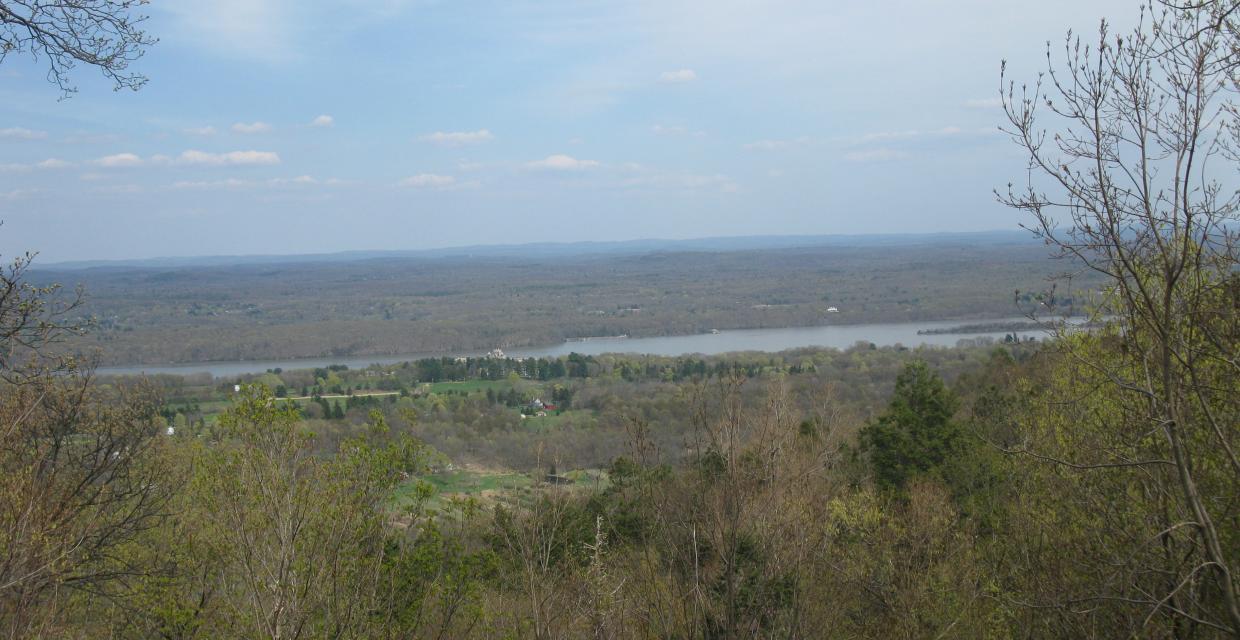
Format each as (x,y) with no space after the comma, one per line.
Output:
(295,126)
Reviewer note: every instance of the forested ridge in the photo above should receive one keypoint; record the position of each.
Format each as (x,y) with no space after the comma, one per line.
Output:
(403,306)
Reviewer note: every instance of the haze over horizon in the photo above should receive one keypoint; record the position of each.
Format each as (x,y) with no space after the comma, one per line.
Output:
(278,127)
(573,248)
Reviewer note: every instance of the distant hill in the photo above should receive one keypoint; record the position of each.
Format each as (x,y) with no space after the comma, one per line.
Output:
(549,250)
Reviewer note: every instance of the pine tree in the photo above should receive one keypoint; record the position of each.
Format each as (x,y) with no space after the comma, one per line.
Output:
(917,434)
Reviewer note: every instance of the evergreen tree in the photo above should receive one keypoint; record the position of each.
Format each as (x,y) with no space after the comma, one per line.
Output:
(917,434)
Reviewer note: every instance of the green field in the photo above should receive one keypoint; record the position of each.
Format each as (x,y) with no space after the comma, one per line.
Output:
(470,386)
(461,483)
(553,420)
(487,486)
(476,482)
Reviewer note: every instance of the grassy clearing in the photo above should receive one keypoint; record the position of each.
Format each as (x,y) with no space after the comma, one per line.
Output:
(553,420)
(461,484)
(476,482)
(470,386)
(490,486)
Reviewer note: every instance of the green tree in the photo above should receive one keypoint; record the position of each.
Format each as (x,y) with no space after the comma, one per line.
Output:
(1132,142)
(918,433)
(78,477)
(297,542)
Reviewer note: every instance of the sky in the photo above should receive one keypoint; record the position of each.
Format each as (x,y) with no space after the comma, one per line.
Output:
(306,126)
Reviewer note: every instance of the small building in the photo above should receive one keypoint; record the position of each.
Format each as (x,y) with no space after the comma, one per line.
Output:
(832,310)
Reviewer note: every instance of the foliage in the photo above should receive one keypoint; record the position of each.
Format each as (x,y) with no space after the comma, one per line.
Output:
(1123,184)
(81,473)
(918,433)
(294,544)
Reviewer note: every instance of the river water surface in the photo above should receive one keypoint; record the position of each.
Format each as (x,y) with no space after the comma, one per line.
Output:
(835,336)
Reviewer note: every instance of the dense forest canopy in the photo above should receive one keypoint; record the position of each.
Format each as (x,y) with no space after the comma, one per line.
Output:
(456,304)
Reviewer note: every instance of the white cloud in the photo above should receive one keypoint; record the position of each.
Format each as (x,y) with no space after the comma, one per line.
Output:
(428,181)
(200,131)
(242,29)
(19,133)
(323,121)
(561,162)
(660,130)
(648,179)
(875,155)
(984,103)
(91,138)
(910,134)
(229,183)
(119,160)
(195,157)
(776,145)
(239,183)
(890,135)
(466,165)
(251,127)
(192,157)
(679,76)
(119,189)
(50,163)
(16,193)
(458,138)
(270,32)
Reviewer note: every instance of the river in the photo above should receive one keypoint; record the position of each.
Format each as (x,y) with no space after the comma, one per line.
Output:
(835,336)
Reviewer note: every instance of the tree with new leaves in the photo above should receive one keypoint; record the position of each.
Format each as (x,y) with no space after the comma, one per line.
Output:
(297,541)
(1131,142)
(80,474)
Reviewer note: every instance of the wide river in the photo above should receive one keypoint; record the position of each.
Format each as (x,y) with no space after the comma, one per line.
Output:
(836,336)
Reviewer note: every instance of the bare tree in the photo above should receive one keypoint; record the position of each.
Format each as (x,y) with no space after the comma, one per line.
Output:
(105,34)
(79,479)
(32,320)
(1131,141)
